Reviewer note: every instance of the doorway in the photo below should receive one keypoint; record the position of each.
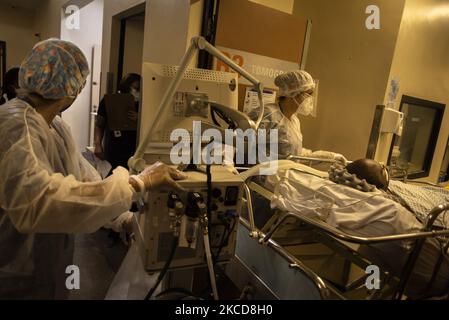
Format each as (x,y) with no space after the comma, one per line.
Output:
(127,39)
(131,45)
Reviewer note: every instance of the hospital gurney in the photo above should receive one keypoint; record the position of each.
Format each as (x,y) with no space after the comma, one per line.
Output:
(316,232)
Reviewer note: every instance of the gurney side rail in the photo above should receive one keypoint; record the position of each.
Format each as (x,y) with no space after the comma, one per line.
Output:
(324,290)
(426,233)
(413,257)
(419,238)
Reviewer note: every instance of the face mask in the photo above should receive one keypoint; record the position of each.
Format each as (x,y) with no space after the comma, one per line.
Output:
(306,107)
(10,91)
(74,97)
(136,94)
(65,108)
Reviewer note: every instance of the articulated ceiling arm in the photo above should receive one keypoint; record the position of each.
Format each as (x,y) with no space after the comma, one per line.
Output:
(136,163)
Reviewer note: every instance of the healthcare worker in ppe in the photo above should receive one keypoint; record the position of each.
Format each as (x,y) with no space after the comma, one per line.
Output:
(295,98)
(48,191)
(10,85)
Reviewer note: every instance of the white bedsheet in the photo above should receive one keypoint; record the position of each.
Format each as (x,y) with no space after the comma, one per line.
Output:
(352,211)
(421,199)
(363,214)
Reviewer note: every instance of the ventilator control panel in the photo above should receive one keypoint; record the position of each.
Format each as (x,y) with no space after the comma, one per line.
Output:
(181,218)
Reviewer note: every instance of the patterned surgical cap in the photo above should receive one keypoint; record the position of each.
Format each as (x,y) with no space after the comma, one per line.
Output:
(54,69)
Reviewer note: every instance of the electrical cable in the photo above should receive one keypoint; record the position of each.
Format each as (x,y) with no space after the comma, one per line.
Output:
(231,123)
(210,263)
(208,206)
(185,292)
(164,269)
(210,266)
(224,242)
(209,193)
(213,118)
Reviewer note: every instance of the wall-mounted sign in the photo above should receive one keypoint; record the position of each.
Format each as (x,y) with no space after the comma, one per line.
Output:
(263,68)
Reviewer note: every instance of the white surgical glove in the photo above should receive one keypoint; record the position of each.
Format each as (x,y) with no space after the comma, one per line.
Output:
(160,175)
(329,155)
(122,223)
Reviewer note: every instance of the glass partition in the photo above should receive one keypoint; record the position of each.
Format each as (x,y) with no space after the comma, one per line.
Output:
(414,150)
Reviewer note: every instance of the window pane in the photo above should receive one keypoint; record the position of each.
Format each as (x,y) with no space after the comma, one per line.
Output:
(411,150)
(444,171)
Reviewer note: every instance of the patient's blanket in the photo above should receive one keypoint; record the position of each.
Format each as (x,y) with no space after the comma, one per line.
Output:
(345,208)
(364,214)
(421,199)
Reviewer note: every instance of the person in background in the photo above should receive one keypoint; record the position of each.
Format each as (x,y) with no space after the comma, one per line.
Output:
(10,85)
(48,191)
(295,99)
(118,146)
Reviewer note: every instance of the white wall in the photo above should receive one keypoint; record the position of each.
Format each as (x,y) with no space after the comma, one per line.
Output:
(175,20)
(421,62)
(17,30)
(134,37)
(281,5)
(111,9)
(166,28)
(48,18)
(195,23)
(353,66)
(86,37)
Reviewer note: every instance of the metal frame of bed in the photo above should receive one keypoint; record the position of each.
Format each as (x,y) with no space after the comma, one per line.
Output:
(337,240)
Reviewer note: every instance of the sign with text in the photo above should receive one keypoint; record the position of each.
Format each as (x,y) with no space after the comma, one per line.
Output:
(265,69)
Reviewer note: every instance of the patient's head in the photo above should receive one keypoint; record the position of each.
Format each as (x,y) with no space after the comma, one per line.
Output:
(372,171)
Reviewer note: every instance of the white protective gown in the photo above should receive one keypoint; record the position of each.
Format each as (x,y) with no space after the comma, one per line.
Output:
(47,192)
(289,130)
(290,138)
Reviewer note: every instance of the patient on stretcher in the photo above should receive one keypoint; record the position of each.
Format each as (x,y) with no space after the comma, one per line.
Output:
(419,200)
(365,203)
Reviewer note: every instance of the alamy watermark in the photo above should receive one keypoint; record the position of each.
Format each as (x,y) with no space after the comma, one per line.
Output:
(372,22)
(220,150)
(73,21)
(373,280)
(72,282)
